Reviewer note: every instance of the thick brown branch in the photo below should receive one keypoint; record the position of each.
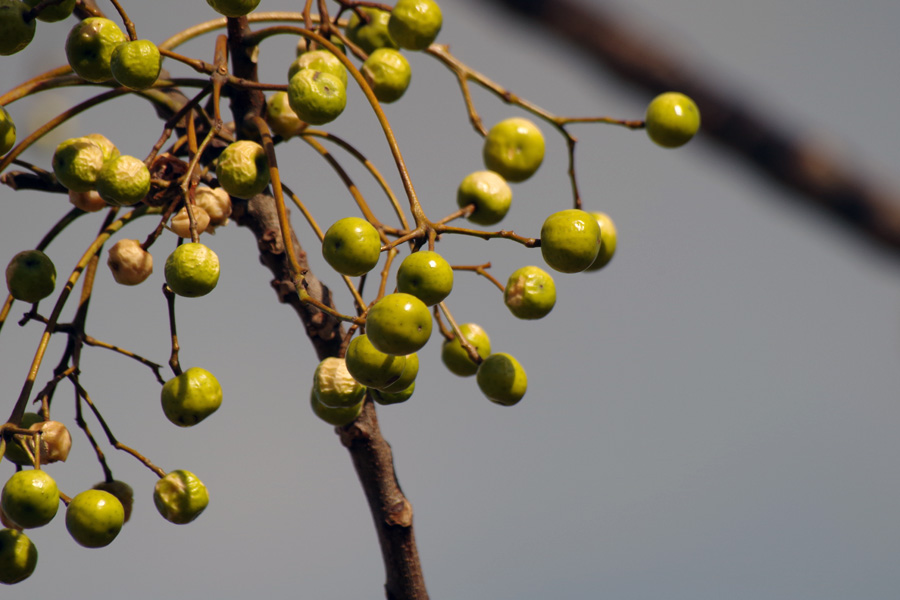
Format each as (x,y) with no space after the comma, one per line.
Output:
(391,511)
(822,181)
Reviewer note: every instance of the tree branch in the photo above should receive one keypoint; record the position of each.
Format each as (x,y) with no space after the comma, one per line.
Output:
(819,180)
(370,452)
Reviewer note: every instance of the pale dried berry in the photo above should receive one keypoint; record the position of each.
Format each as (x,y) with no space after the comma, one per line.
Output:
(181,222)
(217,204)
(87,201)
(129,262)
(55,441)
(334,386)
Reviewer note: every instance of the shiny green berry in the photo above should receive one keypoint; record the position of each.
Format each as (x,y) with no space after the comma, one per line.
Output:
(136,64)
(30,276)
(398,324)
(570,240)
(530,293)
(243,169)
(77,163)
(372,367)
(192,270)
(335,416)
(15,31)
(18,556)
(317,98)
(607,241)
(55,13)
(352,246)
(414,24)
(514,148)
(190,397)
(455,357)
(233,8)
(372,34)
(672,119)
(388,74)
(7,132)
(385,397)
(30,498)
(319,60)
(281,118)
(502,379)
(123,181)
(94,518)
(407,378)
(89,48)
(489,193)
(426,275)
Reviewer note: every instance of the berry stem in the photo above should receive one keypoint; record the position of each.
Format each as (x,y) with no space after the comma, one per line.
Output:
(94,248)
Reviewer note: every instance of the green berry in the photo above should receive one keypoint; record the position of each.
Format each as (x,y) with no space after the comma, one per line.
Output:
(317,98)
(192,270)
(281,117)
(335,416)
(407,378)
(455,357)
(30,276)
(319,60)
(530,293)
(53,14)
(89,48)
(107,148)
(514,148)
(7,132)
(352,246)
(233,8)
(388,74)
(373,34)
(414,24)
(607,241)
(385,397)
(94,518)
(30,498)
(490,194)
(136,64)
(190,397)
(122,491)
(77,163)
(398,324)
(426,275)
(15,31)
(243,169)
(123,181)
(334,386)
(14,452)
(180,497)
(18,556)
(570,240)
(372,367)
(502,379)
(672,119)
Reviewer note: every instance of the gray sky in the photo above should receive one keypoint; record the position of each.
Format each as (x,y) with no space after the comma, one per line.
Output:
(712,415)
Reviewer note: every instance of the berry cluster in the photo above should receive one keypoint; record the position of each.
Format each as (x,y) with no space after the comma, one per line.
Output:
(190,184)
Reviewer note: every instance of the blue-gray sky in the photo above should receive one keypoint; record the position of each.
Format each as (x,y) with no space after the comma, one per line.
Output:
(712,415)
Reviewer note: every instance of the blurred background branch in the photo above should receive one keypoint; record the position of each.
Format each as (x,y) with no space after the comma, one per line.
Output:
(819,180)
